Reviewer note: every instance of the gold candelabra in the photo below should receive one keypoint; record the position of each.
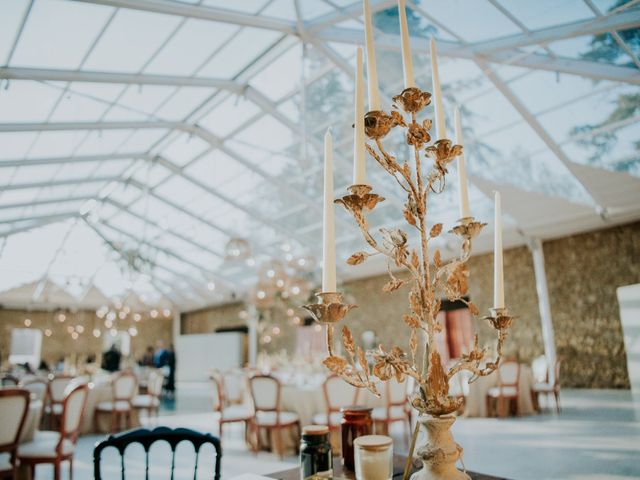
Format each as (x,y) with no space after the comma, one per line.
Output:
(430,277)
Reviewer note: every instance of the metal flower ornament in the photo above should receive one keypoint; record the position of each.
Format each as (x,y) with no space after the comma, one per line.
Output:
(430,278)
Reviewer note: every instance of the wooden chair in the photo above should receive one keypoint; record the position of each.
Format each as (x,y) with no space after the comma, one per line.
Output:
(38,388)
(55,396)
(57,447)
(229,413)
(8,380)
(150,401)
(265,392)
(396,407)
(234,386)
(146,438)
(548,388)
(337,394)
(14,407)
(123,388)
(507,389)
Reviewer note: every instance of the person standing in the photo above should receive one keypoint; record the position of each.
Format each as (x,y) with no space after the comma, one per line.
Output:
(171,378)
(111,359)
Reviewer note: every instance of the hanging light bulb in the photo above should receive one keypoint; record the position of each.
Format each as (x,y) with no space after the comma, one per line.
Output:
(79,328)
(133,331)
(97,332)
(166,312)
(27,322)
(122,315)
(153,313)
(74,335)
(70,329)
(275,330)
(47,332)
(61,317)
(137,317)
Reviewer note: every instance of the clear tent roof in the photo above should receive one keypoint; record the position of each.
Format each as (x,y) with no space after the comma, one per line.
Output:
(142,136)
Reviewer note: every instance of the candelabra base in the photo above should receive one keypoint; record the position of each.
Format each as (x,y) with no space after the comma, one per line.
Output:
(439,452)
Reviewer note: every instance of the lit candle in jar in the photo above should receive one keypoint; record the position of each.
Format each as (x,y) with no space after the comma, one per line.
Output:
(373,457)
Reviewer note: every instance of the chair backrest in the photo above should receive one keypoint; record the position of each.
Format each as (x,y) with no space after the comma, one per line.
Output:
(146,438)
(9,381)
(37,387)
(265,392)
(72,412)
(124,386)
(338,393)
(509,373)
(155,381)
(233,386)
(540,369)
(14,406)
(556,380)
(216,394)
(57,387)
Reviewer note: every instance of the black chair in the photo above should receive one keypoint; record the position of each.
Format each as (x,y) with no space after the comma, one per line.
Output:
(147,437)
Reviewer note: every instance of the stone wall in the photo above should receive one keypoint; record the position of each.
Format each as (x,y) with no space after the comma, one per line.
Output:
(61,345)
(583,273)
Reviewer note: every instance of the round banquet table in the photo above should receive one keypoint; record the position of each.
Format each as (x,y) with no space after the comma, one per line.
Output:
(476,403)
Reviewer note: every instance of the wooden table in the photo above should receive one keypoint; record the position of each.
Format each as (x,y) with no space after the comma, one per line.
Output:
(398,470)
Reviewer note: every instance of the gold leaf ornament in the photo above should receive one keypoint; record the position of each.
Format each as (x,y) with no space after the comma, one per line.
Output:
(336,364)
(393,285)
(435,230)
(411,320)
(357,258)
(347,340)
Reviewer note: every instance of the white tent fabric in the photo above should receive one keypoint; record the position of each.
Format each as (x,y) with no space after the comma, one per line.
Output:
(137,137)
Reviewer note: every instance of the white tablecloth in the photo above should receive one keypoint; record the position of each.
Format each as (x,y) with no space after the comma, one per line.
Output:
(476,402)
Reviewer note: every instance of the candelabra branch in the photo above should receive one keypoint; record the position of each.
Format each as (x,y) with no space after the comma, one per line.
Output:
(429,277)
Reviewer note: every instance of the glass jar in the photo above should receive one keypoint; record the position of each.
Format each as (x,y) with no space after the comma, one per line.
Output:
(356,422)
(374,457)
(315,452)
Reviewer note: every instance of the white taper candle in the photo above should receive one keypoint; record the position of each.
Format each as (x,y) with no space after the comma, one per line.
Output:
(328,231)
(407,64)
(437,93)
(358,137)
(463,191)
(498,273)
(372,72)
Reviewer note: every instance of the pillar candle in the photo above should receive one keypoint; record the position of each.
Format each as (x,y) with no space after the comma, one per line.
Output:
(437,93)
(407,64)
(498,274)
(372,72)
(462,171)
(328,231)
(358,137)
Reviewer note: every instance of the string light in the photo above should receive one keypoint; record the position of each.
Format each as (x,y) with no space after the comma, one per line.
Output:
(97,332)
(27,322)
(48,332)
